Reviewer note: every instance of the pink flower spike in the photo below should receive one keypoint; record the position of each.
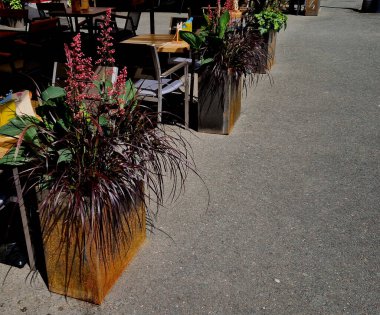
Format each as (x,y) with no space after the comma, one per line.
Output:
(79,74)
(104,51)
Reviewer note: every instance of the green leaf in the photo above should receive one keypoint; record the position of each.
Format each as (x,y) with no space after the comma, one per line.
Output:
(11,160)
(64,155)
(14,127)
(103,121)
(32,136)
(206,17)
(53,92)
(108,84)
(206,61)
(202,34)
(62,123)
(223,23)
(192,39)
(130,90)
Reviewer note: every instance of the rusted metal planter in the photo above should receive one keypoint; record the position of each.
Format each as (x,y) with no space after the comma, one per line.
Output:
(91,276)
(270,40)
(269,47)
(312,7)
(219,104)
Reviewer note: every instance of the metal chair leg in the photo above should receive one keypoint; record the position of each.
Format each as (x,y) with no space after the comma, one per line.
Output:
(186,96)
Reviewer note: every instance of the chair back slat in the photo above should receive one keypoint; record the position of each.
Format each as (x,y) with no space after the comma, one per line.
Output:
(141,60)
(54,9)
(133,21)
(51,8)
(44,26)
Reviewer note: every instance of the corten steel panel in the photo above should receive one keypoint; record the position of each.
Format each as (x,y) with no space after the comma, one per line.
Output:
(219,104)
(91,279)
(271,49)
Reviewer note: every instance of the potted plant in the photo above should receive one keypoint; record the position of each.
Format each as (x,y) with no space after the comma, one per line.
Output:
(312,7)
(267,22)
(97,160)
(13,4)
(229,58)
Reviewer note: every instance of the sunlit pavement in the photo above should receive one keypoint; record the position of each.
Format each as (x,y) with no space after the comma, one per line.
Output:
(285,217)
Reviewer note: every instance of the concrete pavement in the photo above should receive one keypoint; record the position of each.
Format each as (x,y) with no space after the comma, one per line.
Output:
(293,221)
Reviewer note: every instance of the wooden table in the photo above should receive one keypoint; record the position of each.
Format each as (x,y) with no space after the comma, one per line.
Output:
(165,43)
(88,14)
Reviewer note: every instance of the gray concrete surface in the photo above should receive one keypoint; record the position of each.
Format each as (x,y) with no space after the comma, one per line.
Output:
(293,221)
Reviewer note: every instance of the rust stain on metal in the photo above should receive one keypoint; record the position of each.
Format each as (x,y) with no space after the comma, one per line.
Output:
(312,7)
(91,278)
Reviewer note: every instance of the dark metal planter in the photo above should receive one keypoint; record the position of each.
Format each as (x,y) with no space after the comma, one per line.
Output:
(219,104)
(269,45)
(371,6)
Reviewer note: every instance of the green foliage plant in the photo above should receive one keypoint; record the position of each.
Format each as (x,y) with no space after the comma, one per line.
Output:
(223,46)
(95,149)
(270,20)
(14,4)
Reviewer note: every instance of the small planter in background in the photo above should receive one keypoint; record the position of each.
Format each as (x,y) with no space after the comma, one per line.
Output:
(267,24)
(269,47)
(228,58)
(270,41)
(312,7)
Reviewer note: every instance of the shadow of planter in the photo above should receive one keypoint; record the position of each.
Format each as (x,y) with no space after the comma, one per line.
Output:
(219,103)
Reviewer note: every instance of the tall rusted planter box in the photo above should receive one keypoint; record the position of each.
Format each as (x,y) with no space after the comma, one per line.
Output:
(312,7)
(269,47)
(91,276)
(219,103)
(270,40)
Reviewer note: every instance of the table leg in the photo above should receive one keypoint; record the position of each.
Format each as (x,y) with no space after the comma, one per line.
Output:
(25,223)
(76,23)
(90,26)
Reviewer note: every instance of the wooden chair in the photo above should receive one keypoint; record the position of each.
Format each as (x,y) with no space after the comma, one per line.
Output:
(8,51)
(42,46)
(144,68)
(50,9)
